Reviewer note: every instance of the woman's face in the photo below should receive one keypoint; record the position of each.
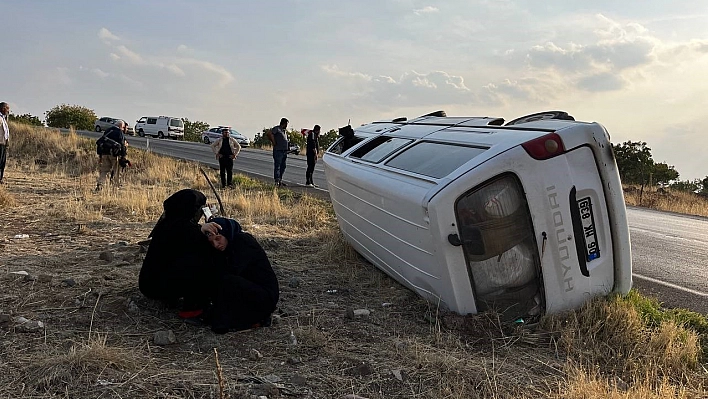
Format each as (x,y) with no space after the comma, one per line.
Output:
(218,241)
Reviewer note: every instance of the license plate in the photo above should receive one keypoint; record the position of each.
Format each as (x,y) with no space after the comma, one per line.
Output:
(592,248)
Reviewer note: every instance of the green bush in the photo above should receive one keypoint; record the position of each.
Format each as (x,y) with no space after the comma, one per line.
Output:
(27,119)
(66,116)
(193,130)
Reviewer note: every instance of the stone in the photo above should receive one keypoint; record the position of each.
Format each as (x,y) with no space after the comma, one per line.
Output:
(132,307)
(108,256)
(254,354)
(122,243)
(294,360)
(364,369)
(30,277)
(357,313)
(275,319)
(30,326)
(45,278)
(298,380)
(268,389)
(164,337)
(5,318)
(398,374)
(400,345)
(294,282)
(273,378)
(68,282)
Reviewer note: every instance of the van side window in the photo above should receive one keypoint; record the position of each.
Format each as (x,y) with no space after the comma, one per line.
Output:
(434,159)
(342,144)
(379,148)
(152,121)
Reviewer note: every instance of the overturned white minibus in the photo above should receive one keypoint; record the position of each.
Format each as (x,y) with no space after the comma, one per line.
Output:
(524,218)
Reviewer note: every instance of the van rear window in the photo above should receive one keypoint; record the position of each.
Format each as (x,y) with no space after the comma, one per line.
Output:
(434,159)
(379,148)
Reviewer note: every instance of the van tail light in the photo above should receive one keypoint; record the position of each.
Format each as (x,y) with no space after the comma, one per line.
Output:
(545,147)
(497,238)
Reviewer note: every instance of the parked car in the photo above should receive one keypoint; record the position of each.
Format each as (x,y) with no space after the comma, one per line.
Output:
(160,127)
(293,148)
(209,136)
(526,218)
(107,122)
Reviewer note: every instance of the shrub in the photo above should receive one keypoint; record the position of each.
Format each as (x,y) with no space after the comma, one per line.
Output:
(65,116)
(27,119)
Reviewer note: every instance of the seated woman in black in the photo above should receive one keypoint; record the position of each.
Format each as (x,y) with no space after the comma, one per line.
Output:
(178,263)
(248,290)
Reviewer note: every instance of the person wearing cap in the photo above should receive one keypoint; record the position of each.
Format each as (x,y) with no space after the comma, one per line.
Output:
(108,163)
(247,290)
(278,137)
(226,149)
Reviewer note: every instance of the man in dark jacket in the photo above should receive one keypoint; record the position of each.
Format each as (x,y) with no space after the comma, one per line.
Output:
(313,149)
(108,162)
(247,292)
(278,137)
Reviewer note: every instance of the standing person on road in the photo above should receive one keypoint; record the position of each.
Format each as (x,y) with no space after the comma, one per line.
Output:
(108,161)
(226,149)
(4,137)
(279,139)
(313,149)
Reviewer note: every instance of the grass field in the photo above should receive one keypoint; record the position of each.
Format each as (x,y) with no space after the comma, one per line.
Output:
(97,339)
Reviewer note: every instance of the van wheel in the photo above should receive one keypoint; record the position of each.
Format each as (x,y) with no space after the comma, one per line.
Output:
(98,129)
(206,140)
(141,133)
(160,135)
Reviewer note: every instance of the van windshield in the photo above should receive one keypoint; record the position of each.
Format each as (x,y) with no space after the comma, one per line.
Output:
(176,123)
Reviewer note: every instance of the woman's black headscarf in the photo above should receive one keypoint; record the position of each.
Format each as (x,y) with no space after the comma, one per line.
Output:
(229,228)
(182,206)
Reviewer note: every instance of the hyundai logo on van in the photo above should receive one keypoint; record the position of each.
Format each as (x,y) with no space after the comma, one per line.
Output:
(563,251)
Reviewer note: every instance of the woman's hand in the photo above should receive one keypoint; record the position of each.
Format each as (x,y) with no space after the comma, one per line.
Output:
(210,228)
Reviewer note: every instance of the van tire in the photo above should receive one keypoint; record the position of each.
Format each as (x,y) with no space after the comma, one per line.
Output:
(206,140)
(160,135)
(98,128)
(141,133)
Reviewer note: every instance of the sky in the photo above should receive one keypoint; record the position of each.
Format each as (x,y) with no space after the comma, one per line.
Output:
(637,67)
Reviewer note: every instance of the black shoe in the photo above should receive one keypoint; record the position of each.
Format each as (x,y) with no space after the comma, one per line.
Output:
(282,184)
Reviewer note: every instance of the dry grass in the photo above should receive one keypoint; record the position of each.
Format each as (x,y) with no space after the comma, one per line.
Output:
(98,340)
(667,200)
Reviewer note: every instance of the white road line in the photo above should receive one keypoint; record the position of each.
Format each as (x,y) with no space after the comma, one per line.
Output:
(670,285)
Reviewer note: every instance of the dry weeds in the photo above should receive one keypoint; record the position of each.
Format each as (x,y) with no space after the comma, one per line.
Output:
(98,334)
(667,200)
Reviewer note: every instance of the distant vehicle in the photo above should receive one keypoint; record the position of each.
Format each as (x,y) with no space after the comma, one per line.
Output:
(526,218)
(160,127)
(211,135)
(107,122)
(293,148)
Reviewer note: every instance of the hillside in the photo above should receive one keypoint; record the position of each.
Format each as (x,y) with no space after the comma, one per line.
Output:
(87,332)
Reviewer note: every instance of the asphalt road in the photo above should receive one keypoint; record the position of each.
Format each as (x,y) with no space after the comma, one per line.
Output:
(669,251)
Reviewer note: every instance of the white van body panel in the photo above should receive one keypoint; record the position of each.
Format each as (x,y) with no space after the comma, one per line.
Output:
(406,223)
(160,126)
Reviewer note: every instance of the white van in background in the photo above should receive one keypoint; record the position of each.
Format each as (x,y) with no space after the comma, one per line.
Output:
(160,127)
(527,218)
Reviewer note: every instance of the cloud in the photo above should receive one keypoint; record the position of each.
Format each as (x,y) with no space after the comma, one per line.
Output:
(130,55)
(410,89)
(114,56)
(106,36)
(425,10)
(101,74)
(183,49)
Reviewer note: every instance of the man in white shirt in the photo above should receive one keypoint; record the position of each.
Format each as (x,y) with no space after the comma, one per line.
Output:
(4,137)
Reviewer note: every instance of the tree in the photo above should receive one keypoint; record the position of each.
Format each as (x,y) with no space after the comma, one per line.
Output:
(328,138)
(686,185)
(663,173)
(27,119)
(261,139)
(193,130)
(634,162)
(66,116)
